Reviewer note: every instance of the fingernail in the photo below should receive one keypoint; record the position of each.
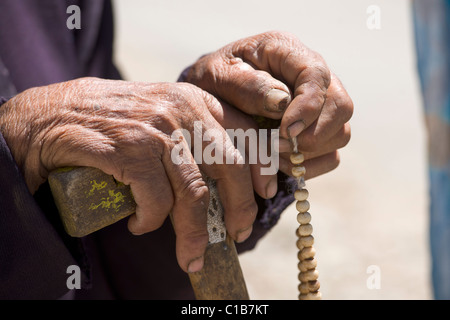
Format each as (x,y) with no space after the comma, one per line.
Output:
(272,188)
(276,100)
(296,128)
(243,235)
(195,265)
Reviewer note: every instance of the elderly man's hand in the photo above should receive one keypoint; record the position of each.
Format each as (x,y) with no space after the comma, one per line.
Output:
(125,129)
(276,76)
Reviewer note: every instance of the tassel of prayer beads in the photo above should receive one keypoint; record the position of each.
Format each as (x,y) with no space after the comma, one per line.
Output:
(308,275)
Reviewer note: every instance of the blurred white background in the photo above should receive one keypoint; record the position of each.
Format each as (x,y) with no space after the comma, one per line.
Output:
(372,210)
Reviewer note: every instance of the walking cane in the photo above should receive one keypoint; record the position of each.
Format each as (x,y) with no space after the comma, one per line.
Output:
(89,200)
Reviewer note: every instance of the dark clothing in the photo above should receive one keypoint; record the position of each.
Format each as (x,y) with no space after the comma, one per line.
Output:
(37,49)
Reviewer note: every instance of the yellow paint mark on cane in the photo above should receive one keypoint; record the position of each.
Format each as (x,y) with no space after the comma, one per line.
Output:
(113,201)
(96,186)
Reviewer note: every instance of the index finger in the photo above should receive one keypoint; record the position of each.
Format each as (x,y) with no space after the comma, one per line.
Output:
(232,175)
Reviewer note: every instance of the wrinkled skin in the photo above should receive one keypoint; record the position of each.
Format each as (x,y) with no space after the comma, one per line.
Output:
(317,108)
(124,129)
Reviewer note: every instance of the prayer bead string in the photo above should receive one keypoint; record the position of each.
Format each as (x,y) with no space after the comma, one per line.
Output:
(308,275)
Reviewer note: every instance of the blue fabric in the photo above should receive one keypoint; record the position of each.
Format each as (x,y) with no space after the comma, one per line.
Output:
(432,36)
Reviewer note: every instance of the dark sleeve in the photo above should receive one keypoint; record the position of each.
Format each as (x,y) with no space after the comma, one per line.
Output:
(33,258)
(269,210)
(35,252)
(95,41)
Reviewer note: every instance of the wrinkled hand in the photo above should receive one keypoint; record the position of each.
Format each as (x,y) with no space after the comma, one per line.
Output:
(276,76)
(124,129)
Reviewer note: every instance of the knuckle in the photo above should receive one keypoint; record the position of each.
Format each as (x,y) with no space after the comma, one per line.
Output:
(164,120)
(309,142)
(143,225)
(196,99)
(345,105)
(315,95)
(238,159)
(205,72)
(342,99)
(268,41)
(211,65)
(314,104)
(249,210)
(196,192)
(199,194)
(209,99)
(335,161)
(280,35)
(346,135)
(348,108)
(180,91)
(323,75)
(316,74)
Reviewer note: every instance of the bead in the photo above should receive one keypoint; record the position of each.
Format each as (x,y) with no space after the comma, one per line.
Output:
(301,194)
(304,217)
(303,287)
(308,275)
(298,171)
(301,267)
(306,253)
(297,158)
(306,241)
(313,286)
(309,285)
(307,264)
(302,206)
(305,230)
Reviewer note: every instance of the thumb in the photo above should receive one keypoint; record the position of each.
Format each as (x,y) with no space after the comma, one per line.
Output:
(238,83)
